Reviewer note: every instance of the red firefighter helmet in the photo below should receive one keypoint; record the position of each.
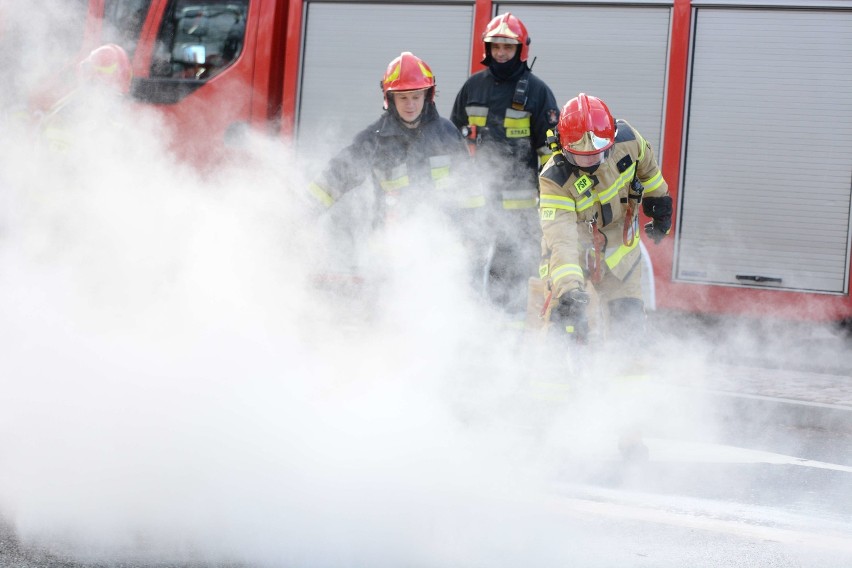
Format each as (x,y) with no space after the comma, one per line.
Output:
(408,73)
(107,65)
(586,126)
(505,28)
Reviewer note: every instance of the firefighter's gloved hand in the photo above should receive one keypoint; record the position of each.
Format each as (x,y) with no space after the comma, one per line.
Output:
(660,210)
(657,230)
(570,314)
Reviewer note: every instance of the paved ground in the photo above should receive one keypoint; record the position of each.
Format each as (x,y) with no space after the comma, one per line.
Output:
(803,371)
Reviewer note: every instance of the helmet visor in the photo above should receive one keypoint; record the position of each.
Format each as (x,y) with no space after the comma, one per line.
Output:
(585,160)
(588,144)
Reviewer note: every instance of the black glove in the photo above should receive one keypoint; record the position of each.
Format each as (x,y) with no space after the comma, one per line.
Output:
(655,230)
(660,210)
(570,314)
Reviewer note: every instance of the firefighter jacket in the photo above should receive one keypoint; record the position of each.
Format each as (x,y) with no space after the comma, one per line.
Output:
(574,203)
(426,164)
(86,116)
(507,123)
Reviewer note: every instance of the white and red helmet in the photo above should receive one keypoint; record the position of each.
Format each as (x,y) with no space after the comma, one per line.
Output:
(505,28)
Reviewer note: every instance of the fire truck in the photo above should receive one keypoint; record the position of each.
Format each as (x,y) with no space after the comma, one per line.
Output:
(748,104)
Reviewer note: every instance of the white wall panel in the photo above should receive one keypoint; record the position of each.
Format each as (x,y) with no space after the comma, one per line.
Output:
(768,154)
(615,52)
(347,48)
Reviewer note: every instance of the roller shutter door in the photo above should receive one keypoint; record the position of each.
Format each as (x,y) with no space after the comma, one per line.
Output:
(768,156)
(617,53)
(347,48)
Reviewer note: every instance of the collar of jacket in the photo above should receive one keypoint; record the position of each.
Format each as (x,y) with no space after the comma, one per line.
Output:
(393,126)
(513,76)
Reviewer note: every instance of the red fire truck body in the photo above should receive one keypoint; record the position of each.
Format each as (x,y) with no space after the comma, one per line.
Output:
(746,103)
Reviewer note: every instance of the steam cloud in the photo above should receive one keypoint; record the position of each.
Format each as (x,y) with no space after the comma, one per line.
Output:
(178,387)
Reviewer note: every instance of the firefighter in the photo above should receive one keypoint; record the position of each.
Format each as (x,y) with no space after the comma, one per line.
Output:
(103,81)
(412,154)
(505,112)
(591,191)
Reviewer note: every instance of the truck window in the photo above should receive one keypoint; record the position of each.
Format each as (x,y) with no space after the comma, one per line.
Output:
(123,21)
(198,39)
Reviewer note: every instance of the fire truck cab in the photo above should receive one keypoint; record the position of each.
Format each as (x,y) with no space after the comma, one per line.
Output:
(746,102)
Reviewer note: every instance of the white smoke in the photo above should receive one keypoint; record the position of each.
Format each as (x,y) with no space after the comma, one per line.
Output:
(179,386)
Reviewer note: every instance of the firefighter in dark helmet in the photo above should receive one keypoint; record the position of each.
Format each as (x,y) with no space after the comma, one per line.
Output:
(591,191)
(505,111)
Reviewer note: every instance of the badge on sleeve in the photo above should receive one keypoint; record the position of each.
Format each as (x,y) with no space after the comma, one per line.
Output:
(552,116)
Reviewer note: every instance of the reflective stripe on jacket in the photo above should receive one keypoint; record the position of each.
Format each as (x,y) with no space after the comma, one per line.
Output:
(429,162)
(510,144)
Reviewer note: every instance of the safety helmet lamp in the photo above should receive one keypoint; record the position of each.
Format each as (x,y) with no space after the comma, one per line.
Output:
(506,28)
(586,126)
(408,73)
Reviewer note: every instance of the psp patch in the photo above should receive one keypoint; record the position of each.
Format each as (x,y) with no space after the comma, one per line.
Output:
(548,214)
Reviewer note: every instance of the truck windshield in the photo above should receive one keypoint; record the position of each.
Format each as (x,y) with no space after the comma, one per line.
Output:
(198,39)
(123,21)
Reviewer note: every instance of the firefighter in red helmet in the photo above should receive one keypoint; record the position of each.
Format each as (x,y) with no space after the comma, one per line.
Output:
(103,83)
(602,171)
(411,154)
(108,66)
(505,112)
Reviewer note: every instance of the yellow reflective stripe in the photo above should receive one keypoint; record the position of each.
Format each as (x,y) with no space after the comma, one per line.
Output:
(476,115)
(440,172)
(394,75)
(585,202)
(561,272)
(321,194)
(519,203)
(544,153)
(642,144)
(616,256)
(523,122)
(517,127)
(519,198)
(473,202)
(653,183)
(610,192)
(557,202)
(106,69)
(394,184)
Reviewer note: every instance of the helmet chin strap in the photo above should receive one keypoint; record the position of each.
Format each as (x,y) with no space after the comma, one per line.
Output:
(411,123)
